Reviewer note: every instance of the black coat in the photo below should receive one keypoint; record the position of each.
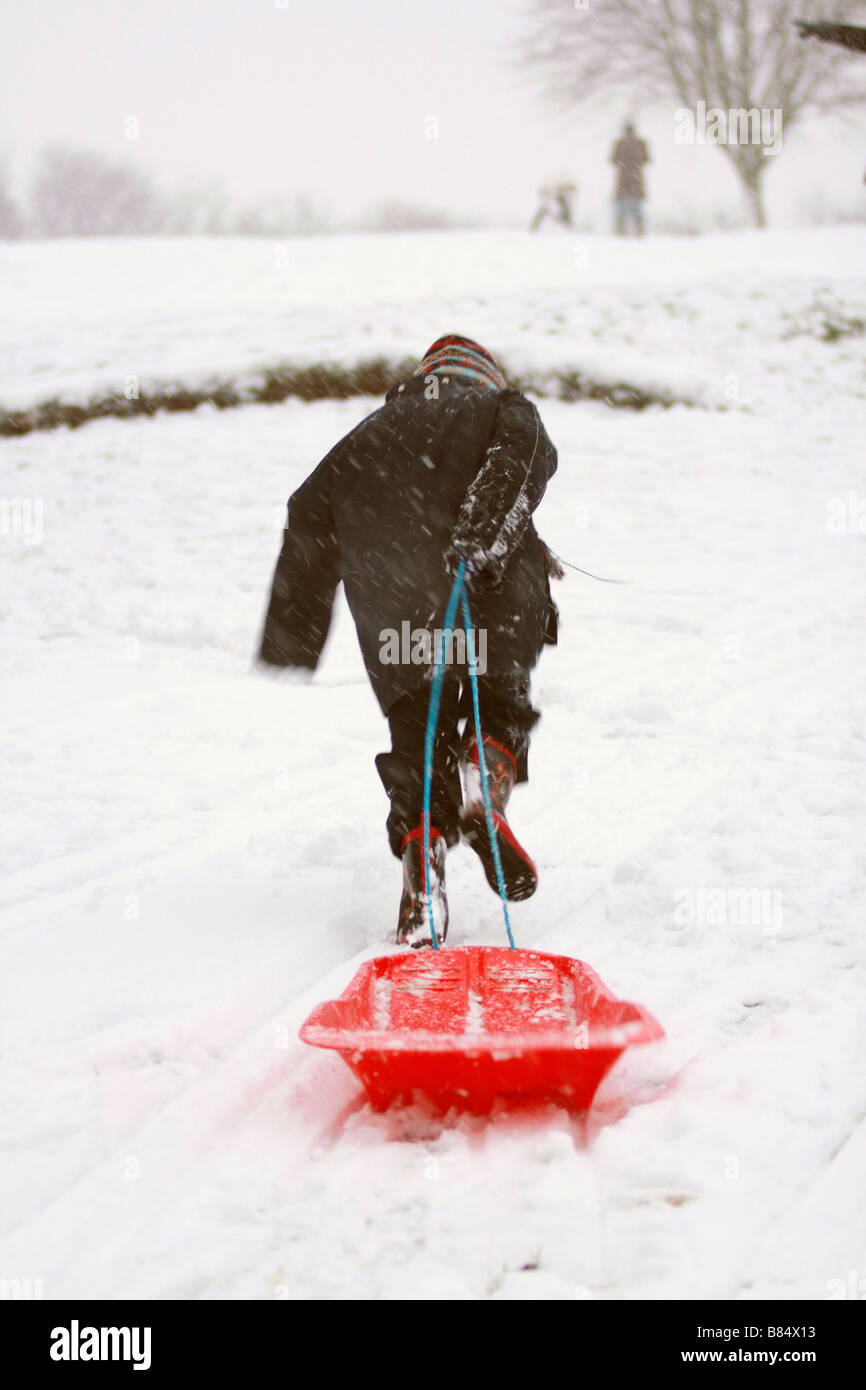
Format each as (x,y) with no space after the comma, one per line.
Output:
(419,475)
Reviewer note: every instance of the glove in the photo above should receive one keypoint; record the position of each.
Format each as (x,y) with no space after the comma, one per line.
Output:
(479,571)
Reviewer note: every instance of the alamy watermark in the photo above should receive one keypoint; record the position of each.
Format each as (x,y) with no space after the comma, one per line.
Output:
(22,517)
(418,646)
(77,1343)
(712,125)
(705,906)
(853,1287)
(846,516)
(19,1290)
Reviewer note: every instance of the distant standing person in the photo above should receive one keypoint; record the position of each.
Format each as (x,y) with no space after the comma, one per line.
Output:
(629,155)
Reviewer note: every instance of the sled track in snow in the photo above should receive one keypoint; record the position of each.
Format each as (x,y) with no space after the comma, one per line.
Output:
(316,1095)
(48,888)
(240,1079)
(806,1243)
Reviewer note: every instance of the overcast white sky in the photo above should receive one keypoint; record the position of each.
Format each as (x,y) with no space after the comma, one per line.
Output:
(331,99)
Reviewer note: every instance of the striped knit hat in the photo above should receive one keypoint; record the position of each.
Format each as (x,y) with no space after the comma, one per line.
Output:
(461,357)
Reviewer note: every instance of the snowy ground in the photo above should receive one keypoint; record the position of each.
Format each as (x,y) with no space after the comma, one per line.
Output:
(713,319)
(195,856)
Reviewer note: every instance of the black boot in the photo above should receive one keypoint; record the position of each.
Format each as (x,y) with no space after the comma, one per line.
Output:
(413,926)
(518,870)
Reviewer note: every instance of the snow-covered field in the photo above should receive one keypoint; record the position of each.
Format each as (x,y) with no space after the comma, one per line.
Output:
(195,856)
(713,319)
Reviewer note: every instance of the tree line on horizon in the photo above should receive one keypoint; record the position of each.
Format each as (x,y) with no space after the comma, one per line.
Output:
(79,193)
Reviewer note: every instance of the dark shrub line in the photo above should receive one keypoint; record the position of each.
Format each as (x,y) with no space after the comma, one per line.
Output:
(324,381)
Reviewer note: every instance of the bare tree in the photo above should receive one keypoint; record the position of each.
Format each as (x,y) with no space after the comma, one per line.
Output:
(80,193)
(395,215)
(846,35)
(732,55)
(294,215)
(198,209)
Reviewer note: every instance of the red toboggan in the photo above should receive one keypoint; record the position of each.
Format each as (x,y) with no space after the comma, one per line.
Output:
(469,1025)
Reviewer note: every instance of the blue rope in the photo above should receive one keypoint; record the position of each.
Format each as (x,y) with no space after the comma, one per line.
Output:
(482,764)
(458,594)
(430,740)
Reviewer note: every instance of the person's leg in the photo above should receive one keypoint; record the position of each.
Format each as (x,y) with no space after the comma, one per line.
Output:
(507,717)
(639,217)
(402,773)
(402,770)
(620,213)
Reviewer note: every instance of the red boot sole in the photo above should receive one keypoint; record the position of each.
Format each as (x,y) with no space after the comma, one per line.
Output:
(518,870)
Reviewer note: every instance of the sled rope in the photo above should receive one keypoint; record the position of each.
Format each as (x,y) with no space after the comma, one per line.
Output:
(457,595)
(482,763)
(430,741)
(430,738)
(589,574)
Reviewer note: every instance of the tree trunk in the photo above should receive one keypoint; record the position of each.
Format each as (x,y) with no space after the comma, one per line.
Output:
(750,175)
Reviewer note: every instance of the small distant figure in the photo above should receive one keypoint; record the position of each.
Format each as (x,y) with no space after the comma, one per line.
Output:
(629,155)
(556,201)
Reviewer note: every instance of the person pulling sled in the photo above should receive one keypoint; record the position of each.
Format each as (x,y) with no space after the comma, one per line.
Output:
(448,470)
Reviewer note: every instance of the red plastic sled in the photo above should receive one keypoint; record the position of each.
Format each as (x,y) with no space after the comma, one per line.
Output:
(470,1024)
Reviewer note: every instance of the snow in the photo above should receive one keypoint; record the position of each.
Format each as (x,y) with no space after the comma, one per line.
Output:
(98,316)
(195,856)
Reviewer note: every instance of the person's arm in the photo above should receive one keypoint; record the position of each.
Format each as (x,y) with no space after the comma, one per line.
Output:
(305,580)
(517,466)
